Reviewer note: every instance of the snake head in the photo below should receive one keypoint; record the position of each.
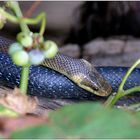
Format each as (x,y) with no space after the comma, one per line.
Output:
(103,87)
(94,84)
(93,81)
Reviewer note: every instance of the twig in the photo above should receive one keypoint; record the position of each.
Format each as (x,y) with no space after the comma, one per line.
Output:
(32,9)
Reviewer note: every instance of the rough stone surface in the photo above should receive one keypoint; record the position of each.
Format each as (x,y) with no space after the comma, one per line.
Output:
(70,50)
(107,52)
(112,52)
(111,46)
(132,46)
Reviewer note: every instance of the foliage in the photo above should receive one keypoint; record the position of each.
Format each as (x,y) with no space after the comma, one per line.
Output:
(87,120)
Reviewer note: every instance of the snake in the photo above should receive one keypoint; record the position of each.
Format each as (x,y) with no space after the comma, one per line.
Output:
(64,77)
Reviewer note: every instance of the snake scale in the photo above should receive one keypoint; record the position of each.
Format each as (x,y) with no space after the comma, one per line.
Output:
(47,82)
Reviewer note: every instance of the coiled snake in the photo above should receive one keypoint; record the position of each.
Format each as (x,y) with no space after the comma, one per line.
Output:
(66,78)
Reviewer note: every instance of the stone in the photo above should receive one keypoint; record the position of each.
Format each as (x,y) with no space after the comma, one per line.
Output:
(72,50)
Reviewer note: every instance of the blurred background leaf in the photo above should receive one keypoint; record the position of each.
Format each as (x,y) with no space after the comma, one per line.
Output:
(86,121)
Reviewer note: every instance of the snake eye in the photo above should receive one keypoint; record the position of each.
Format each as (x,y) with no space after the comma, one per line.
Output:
(89,85)
(96,88)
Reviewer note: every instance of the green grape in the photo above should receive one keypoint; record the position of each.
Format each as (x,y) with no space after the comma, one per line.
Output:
(25,39)
(20,58)
(14,47)
(36,57)
(50,49)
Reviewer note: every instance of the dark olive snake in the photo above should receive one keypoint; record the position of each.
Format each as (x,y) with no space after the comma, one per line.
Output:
(48,83)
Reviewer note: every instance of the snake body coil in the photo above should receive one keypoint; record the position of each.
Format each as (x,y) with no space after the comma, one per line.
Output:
(48,83)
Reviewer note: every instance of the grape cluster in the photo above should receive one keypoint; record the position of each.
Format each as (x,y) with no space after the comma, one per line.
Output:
(31,49)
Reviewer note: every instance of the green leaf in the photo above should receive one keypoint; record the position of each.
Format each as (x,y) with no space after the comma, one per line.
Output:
(86,120)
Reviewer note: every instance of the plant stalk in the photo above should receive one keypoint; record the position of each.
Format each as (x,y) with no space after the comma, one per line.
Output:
(16,9)
(120,93)
(24,79)
(25,69)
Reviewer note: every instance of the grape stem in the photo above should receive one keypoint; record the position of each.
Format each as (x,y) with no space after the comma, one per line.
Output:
(24,79)
(9,16)
(25,69)
(29,21)
(121,92)
(36,20)
(15,7)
